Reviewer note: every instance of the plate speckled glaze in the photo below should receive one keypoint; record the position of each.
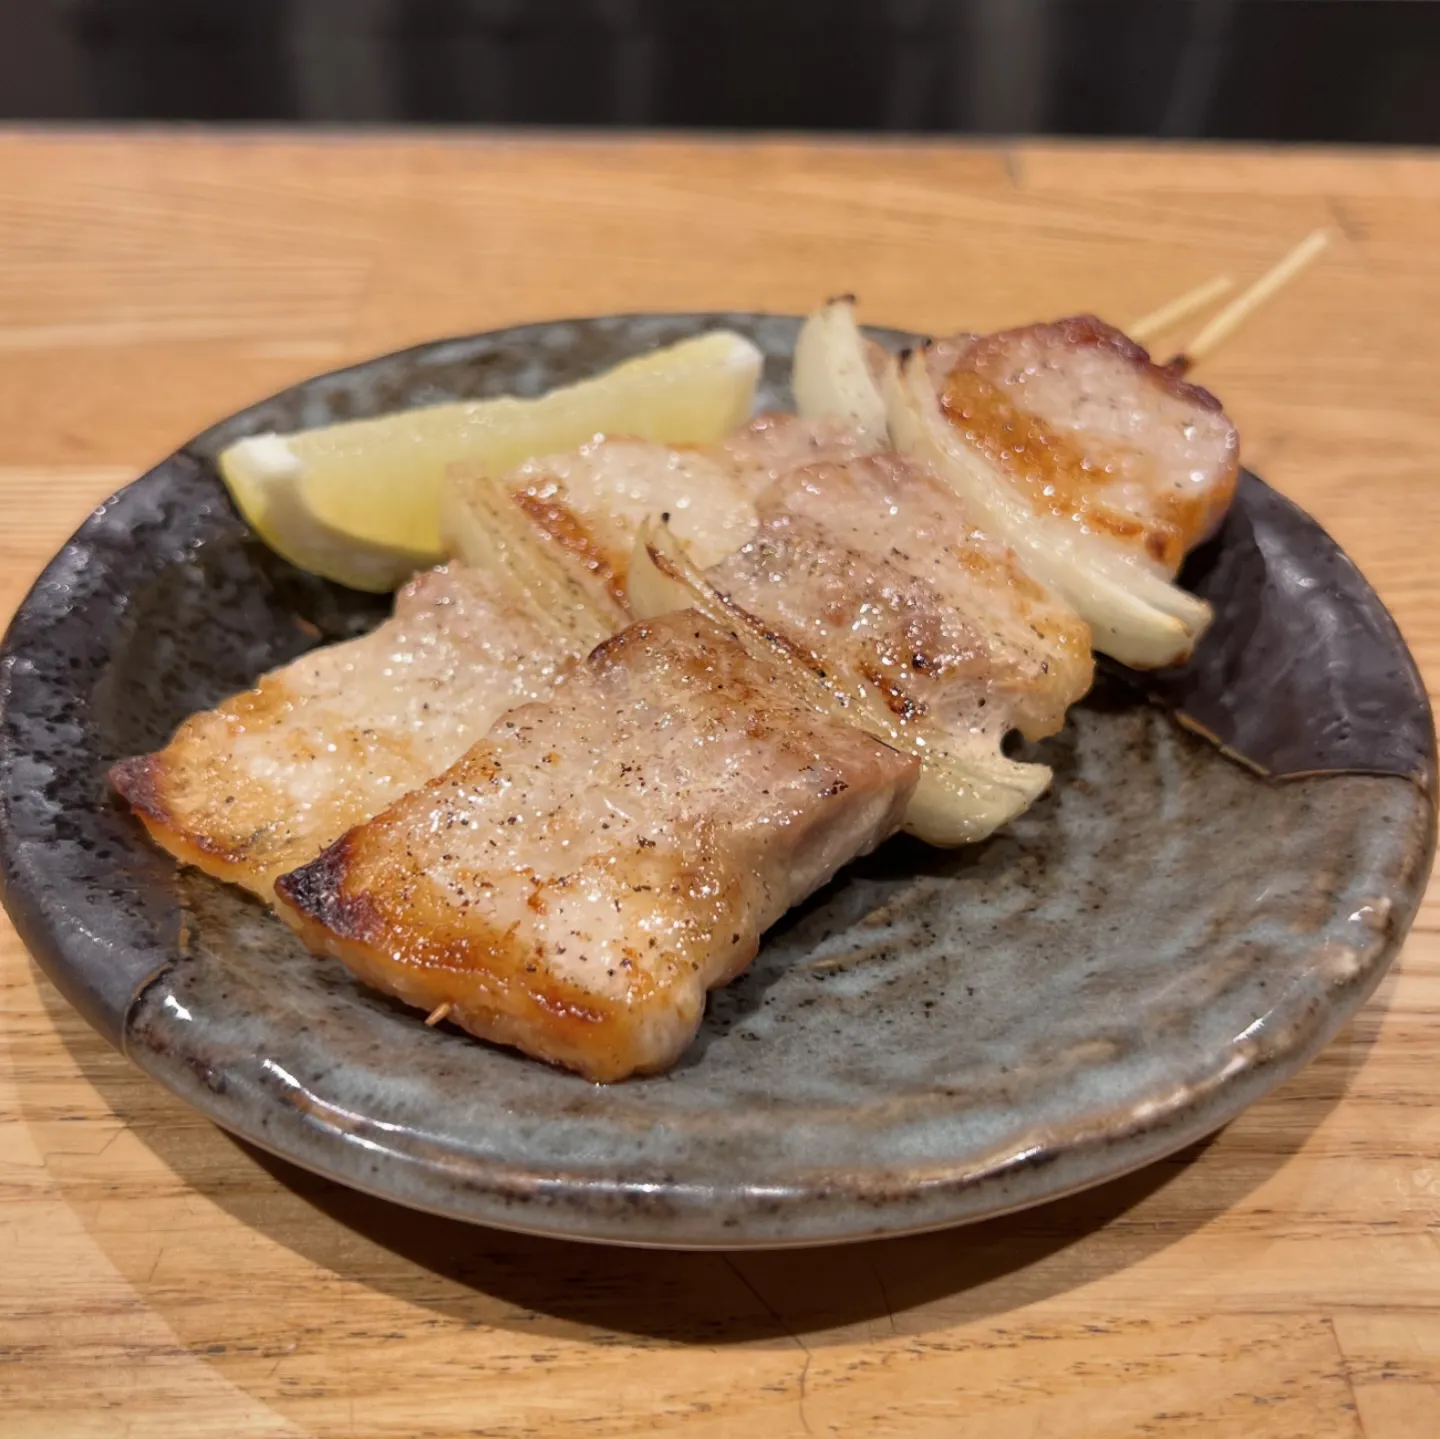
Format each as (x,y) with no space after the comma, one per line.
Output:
(934,1038)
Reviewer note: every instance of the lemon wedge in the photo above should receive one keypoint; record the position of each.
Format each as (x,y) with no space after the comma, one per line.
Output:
(359,502)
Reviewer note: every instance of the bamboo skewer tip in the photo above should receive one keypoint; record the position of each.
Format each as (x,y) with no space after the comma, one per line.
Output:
(1223,325)
(1180,308)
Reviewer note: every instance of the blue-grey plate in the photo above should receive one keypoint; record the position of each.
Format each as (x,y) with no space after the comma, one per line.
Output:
(936,1037)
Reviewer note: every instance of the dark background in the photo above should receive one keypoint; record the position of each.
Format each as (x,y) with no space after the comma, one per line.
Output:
(1345,70)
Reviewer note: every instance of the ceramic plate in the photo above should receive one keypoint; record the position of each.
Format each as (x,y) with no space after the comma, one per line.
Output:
(935,1037)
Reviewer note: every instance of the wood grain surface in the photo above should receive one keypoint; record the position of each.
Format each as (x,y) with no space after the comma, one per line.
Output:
(158,1279)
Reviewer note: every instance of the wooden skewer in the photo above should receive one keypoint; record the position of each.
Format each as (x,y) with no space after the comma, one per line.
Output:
(1180,308)
(1243,306)
(439,1013)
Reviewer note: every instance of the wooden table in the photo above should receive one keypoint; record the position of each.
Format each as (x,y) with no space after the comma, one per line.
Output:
(157,1279)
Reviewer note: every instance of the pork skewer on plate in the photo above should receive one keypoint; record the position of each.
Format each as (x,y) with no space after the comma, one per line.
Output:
(854,619)
(576,883)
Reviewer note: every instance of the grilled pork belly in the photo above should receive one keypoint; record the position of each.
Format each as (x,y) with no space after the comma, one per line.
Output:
(772,445)
(266,780)
(873,568)
(868,565)
(887,608)
(1098,467)
(576,883)
(590,504)
(1087,429)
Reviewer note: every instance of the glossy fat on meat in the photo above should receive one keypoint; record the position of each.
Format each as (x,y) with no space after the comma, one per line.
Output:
(771,445)
(1075,416)
(266,780)
(591,502)
(874,568)
(577,882)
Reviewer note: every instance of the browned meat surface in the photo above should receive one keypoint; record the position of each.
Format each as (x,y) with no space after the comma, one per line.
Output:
(577,882)
(873,568)
(772,445)
(1084,427)
(591,502)
(266,780)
